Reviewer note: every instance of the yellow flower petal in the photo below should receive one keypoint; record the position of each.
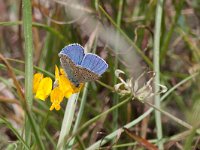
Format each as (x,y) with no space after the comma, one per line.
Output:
(51,108)
(62,72)
(36,81)
(78,89)
(56,98)
(64,84)
(57,107)
(44,88)
(57,74)
(56,95)
(68,94)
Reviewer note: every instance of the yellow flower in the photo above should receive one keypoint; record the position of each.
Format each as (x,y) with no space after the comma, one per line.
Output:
(56,98)
(62,88)
(64,84)
(44,88)
(75,89)
(36,81)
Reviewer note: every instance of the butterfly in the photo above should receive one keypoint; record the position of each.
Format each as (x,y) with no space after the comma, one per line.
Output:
(81,67)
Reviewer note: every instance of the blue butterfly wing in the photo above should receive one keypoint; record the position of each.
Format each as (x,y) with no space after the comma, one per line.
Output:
(94,64)
(85,75)
(81,67)
(75,52)
(76,74)
(70,69)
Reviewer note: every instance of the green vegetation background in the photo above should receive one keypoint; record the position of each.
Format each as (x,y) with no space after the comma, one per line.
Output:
(33,32)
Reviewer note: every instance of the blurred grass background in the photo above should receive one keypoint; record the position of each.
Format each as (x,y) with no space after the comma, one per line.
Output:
(121,32)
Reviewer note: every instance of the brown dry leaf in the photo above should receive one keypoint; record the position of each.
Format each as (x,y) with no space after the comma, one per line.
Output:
(140,140)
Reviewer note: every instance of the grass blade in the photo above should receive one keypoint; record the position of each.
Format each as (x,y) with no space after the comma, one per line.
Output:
(156,62)
(27,27)
(80,113)
(2,120)
(67,121)
(112,135)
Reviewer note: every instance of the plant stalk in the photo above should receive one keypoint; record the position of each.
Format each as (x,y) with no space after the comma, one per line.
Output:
(156,62)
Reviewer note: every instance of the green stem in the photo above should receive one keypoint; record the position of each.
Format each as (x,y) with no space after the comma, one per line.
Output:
(16,133)
(27,24)
(35,24)
(156,63)
(27,27)
(99,116)
(191,45)
(35,131)
(35,67)
(179,121)
(165,46)
(67,121)
(24,103)
(137,120)
(111,136)
(80,113)
(116,96)
(148,61)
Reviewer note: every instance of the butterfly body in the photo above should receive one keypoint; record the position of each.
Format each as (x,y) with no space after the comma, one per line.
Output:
(81,67)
